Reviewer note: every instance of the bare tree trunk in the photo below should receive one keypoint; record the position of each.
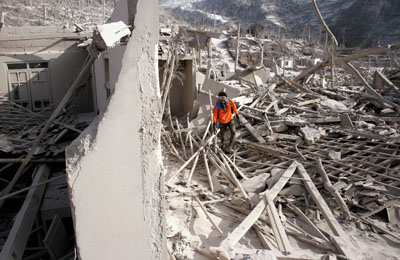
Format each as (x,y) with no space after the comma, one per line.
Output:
(209,59)
(334,41)
(198,49)
(237,48)
(44,12)
(104,11)
(261,54)
(332,70)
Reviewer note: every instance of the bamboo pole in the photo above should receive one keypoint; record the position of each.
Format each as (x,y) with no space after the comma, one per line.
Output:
(201,148)
(208,71)
(208,171)
(208,216)
(196,159)
(233,176)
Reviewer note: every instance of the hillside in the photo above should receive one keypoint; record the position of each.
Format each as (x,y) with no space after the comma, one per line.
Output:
(361,23)
(86,13)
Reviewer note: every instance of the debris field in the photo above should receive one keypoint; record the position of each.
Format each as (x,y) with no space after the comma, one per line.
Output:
(315,168)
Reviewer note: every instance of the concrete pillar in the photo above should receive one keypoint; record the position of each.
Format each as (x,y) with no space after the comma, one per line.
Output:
(115,166)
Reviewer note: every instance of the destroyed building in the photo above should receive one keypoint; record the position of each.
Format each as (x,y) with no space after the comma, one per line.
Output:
(70,100)
(108,152)
(314,171)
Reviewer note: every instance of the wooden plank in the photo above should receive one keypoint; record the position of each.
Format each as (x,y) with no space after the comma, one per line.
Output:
(181,140)
(235,167)
(264,240)
(16,241)
(263,148)
(345,248)
(274,191)
(210,181)
(209,140)
(308,102)
(277,227)
(252,130)
(329,187)
(246,224)
(208,216)
(255,214)
(233,176)
(189,180)
(319,200)
(296,210)
(387,204)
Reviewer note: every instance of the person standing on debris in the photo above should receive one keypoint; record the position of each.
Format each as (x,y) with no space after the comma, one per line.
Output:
(222,118)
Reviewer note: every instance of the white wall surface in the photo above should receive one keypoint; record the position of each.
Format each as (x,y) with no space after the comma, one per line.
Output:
(115,166)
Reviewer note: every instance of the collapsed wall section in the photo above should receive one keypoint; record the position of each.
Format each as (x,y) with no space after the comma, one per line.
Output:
(114,167)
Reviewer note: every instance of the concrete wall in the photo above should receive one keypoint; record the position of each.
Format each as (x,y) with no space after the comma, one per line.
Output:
(33,44)
(182,96)
(115,167)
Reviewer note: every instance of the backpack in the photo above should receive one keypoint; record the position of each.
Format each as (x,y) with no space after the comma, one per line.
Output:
(219,105)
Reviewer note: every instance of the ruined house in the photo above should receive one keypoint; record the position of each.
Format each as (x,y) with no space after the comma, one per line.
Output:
(39,64)
(111,117)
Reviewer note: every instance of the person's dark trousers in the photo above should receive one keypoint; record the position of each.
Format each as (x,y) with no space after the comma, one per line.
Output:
(232,128)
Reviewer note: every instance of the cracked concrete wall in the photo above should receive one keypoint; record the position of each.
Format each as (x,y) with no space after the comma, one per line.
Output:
(115,166)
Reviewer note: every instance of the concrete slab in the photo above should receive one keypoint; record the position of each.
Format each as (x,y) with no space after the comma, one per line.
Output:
(215,87)
(334,105)
(311,135)
(256,184)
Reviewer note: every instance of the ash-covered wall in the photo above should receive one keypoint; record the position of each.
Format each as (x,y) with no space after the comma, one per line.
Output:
(115,167)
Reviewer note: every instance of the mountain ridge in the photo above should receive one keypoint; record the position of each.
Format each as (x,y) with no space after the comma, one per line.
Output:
(346,18)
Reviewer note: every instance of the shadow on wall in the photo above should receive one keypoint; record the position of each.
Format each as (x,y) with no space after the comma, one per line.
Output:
(183,92)
(39,81)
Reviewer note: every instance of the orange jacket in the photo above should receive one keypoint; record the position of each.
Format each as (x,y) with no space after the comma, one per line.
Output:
(224,115)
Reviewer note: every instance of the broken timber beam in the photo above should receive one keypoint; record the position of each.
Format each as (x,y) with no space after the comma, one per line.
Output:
(17,239)
(277,227)
(342,61)
(255,214)
(209,140)
(340,238)
(208,216)
(252,130)
(387,82)
(371,90)
(233,176)
(263,148)
(46,127)
(334,192)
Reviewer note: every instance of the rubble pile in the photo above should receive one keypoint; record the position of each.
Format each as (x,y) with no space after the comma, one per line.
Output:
(24,180)
(314,172)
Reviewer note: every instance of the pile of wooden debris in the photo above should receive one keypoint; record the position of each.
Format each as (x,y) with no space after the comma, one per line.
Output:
(30,170)
(314,174)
